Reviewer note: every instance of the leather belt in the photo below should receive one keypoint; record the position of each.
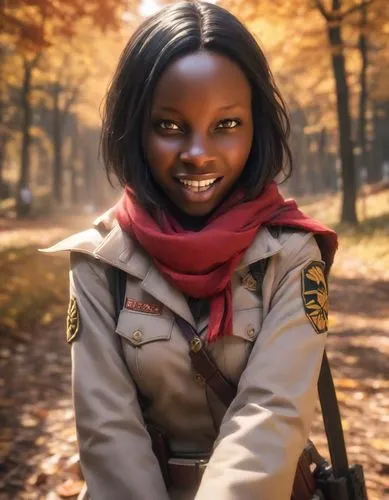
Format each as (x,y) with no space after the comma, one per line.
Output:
(186,472)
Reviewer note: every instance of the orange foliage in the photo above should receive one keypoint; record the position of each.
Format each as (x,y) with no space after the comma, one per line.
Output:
(28,21)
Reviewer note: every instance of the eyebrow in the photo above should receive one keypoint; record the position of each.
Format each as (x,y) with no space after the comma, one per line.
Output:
(171,109)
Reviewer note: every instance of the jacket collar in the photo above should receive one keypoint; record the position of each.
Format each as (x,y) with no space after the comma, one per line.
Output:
(264,245)
(119,250)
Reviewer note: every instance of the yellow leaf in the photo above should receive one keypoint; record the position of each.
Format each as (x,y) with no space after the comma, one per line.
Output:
(12,256)
(46,319)
(380,444)
(346,383)
(9,323)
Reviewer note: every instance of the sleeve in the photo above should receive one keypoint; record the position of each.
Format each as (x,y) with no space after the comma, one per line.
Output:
(115,448)
(266,426)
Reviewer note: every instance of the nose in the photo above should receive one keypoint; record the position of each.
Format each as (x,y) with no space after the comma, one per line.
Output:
(197,152)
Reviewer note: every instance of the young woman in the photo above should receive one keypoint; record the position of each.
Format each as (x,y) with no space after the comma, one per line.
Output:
(196,131)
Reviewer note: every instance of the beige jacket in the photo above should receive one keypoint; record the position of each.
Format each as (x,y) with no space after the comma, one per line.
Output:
(274,356)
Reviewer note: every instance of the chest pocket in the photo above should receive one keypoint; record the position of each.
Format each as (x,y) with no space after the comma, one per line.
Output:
(144,336)
(140,328)
(231,352)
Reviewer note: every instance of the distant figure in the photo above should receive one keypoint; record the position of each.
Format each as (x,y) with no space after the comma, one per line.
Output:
(25,201)
(385,171)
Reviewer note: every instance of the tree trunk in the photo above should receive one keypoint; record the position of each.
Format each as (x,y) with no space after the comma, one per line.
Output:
(2,159)
(362,45)
(311,167)
(385,128)
(57,147)
(348,212)
(295,183)
(87,168)
(325,172)
(3,133)
(380,149)
(24,174)
(74,162)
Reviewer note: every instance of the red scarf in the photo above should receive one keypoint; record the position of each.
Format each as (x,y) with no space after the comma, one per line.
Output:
(201,263)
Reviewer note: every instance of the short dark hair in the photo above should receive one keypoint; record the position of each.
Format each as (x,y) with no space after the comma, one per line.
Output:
(175,31)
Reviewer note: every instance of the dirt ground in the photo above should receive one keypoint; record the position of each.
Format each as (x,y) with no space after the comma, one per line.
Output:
(37,438)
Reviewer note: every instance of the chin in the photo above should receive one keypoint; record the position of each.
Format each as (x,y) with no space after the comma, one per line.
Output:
(198,211)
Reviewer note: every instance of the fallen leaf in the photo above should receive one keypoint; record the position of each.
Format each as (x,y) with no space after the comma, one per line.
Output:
(22,336)
(29,422)
(46,319)
(5,448)
(40,412)
(38,479)
(69,488)
(346,383)
(73,466)
(50,465)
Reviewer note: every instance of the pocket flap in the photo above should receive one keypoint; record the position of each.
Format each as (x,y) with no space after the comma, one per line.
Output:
(140,329)
(247,323)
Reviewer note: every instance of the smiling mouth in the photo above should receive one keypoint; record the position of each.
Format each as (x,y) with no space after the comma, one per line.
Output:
(198,186)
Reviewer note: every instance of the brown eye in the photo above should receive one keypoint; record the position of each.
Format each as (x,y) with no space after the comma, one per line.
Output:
(228,123)
(168,125)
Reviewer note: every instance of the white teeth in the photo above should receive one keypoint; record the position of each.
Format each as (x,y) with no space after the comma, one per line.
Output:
(196,185)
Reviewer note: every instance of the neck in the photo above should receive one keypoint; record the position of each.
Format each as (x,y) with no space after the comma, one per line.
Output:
(191,222)
(188,222)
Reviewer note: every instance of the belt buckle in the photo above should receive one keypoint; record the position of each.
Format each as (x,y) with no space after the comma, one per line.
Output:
(188,462)
(186,472)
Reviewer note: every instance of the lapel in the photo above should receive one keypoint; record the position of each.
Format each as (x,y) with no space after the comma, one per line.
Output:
(119,250)
(263,246)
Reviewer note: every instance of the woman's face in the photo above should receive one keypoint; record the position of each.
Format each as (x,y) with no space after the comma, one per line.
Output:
(200,131)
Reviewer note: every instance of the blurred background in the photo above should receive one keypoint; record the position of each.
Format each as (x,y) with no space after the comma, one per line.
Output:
(330,59)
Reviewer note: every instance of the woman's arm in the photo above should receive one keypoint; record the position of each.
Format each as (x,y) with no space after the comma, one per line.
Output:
(115,447)
(267,424)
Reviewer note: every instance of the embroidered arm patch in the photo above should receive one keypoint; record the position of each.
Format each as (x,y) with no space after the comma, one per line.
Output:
(315,295)
(72,321)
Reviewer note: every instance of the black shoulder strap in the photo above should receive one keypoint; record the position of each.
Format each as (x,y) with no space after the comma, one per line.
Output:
(332,420)
(117,287)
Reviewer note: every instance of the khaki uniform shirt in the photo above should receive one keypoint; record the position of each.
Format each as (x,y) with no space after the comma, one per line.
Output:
(274,356)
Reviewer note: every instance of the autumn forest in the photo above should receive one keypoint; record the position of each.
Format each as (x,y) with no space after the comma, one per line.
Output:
(330,59)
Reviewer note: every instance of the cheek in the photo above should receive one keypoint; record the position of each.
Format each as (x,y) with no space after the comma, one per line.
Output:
(161,153)
(236,149)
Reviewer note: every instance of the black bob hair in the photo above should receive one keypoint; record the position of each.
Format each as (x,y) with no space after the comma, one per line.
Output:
(175,31)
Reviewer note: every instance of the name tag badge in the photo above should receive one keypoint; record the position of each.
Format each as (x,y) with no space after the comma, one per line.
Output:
(143,307)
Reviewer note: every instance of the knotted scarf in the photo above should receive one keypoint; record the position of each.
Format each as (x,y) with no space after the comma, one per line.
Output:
(200,263)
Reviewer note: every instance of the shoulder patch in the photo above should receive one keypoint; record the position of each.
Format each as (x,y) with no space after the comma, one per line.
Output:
(315,295)
(73,320)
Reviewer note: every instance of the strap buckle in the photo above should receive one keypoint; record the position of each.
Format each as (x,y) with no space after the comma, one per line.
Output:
(196,344)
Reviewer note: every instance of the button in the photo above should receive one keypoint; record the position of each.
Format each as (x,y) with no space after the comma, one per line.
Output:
(251,331)
(196,344)
(137,336)
(200,380)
